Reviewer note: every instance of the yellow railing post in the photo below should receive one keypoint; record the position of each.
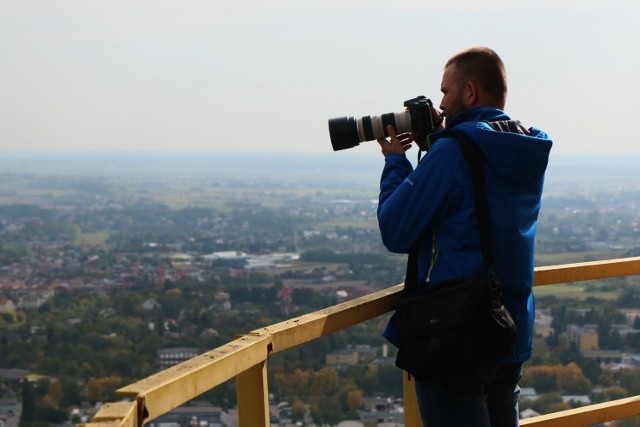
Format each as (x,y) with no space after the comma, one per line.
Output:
(253,397)
(411,410)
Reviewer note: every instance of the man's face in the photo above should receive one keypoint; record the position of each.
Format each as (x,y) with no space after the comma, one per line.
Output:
(452,94)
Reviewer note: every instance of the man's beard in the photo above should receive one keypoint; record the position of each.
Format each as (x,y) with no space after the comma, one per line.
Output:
(453,110)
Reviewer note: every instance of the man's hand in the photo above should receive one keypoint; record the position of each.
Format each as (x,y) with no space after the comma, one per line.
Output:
(396,144)
(438,119)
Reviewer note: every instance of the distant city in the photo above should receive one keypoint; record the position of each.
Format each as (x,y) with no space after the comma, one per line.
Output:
(331,166)
(115,267)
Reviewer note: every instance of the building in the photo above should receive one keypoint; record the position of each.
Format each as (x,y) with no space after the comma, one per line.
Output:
(366,353)
(13,377)
(542,325)
(173,356)
(7,306)
(604,356)
(193,414)
(345,356)
(151,304)
(631,314)
(586,337)
(10,405)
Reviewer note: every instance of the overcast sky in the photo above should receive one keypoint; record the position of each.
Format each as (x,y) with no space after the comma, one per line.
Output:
(265,75)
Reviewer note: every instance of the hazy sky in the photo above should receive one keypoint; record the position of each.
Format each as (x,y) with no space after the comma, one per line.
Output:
(265,75)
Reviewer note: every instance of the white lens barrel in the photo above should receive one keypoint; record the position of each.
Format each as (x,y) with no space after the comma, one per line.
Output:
(374,127)
(403,122)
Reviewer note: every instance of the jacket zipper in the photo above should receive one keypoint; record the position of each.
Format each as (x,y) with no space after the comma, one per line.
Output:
(434,256)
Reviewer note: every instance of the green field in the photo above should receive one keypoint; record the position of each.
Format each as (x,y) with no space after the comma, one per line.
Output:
(574,257)
(94,239)
(574,291)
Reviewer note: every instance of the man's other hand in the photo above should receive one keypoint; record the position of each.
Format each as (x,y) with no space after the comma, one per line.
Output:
(396,144)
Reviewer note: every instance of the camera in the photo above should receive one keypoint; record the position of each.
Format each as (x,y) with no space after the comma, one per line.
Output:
(347,132)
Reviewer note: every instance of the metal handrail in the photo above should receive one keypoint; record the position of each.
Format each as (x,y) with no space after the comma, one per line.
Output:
(245,359)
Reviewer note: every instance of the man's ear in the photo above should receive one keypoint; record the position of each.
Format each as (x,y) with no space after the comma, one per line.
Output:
(471,95)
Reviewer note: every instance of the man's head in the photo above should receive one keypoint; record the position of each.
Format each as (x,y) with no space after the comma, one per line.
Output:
(472,78)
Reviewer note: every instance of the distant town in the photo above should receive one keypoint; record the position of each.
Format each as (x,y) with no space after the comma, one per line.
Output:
(114,272)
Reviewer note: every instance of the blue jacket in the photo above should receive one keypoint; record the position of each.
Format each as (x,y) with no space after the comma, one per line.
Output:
(434,205)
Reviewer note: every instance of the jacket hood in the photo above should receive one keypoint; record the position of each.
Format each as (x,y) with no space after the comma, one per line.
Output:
(513,156)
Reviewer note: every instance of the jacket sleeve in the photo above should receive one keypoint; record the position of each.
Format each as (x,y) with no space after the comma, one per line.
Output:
(411,202)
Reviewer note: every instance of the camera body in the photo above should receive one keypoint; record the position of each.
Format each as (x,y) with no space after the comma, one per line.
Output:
(347,132)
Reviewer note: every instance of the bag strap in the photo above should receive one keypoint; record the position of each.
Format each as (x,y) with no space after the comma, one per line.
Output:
(475,158)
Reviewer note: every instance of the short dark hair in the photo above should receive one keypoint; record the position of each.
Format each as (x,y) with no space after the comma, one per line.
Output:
(484,67)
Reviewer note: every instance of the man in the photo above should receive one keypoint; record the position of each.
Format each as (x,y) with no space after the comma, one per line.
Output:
(433,207)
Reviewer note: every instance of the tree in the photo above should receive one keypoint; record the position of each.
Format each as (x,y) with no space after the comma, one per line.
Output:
(630,380)
(72,391)
(542,378)
(559,322)
(73,231)
(100,389)
(591,369)
(391,380)
(355,400)
(306,297)
(55,394)
(604,333)
(612,393)
(173,293)
(127,303)
(293,384)
(326,410)
(549,403)
(298,409)
(28,402)
(563,378)
(324,382)
(615,340)
(571,380)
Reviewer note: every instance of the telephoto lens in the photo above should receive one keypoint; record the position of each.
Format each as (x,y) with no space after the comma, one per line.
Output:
(347,132)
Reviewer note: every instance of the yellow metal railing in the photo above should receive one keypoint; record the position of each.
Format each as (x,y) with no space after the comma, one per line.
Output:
(246,360)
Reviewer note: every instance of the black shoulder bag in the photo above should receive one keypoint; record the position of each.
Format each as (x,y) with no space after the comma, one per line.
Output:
(455,324)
